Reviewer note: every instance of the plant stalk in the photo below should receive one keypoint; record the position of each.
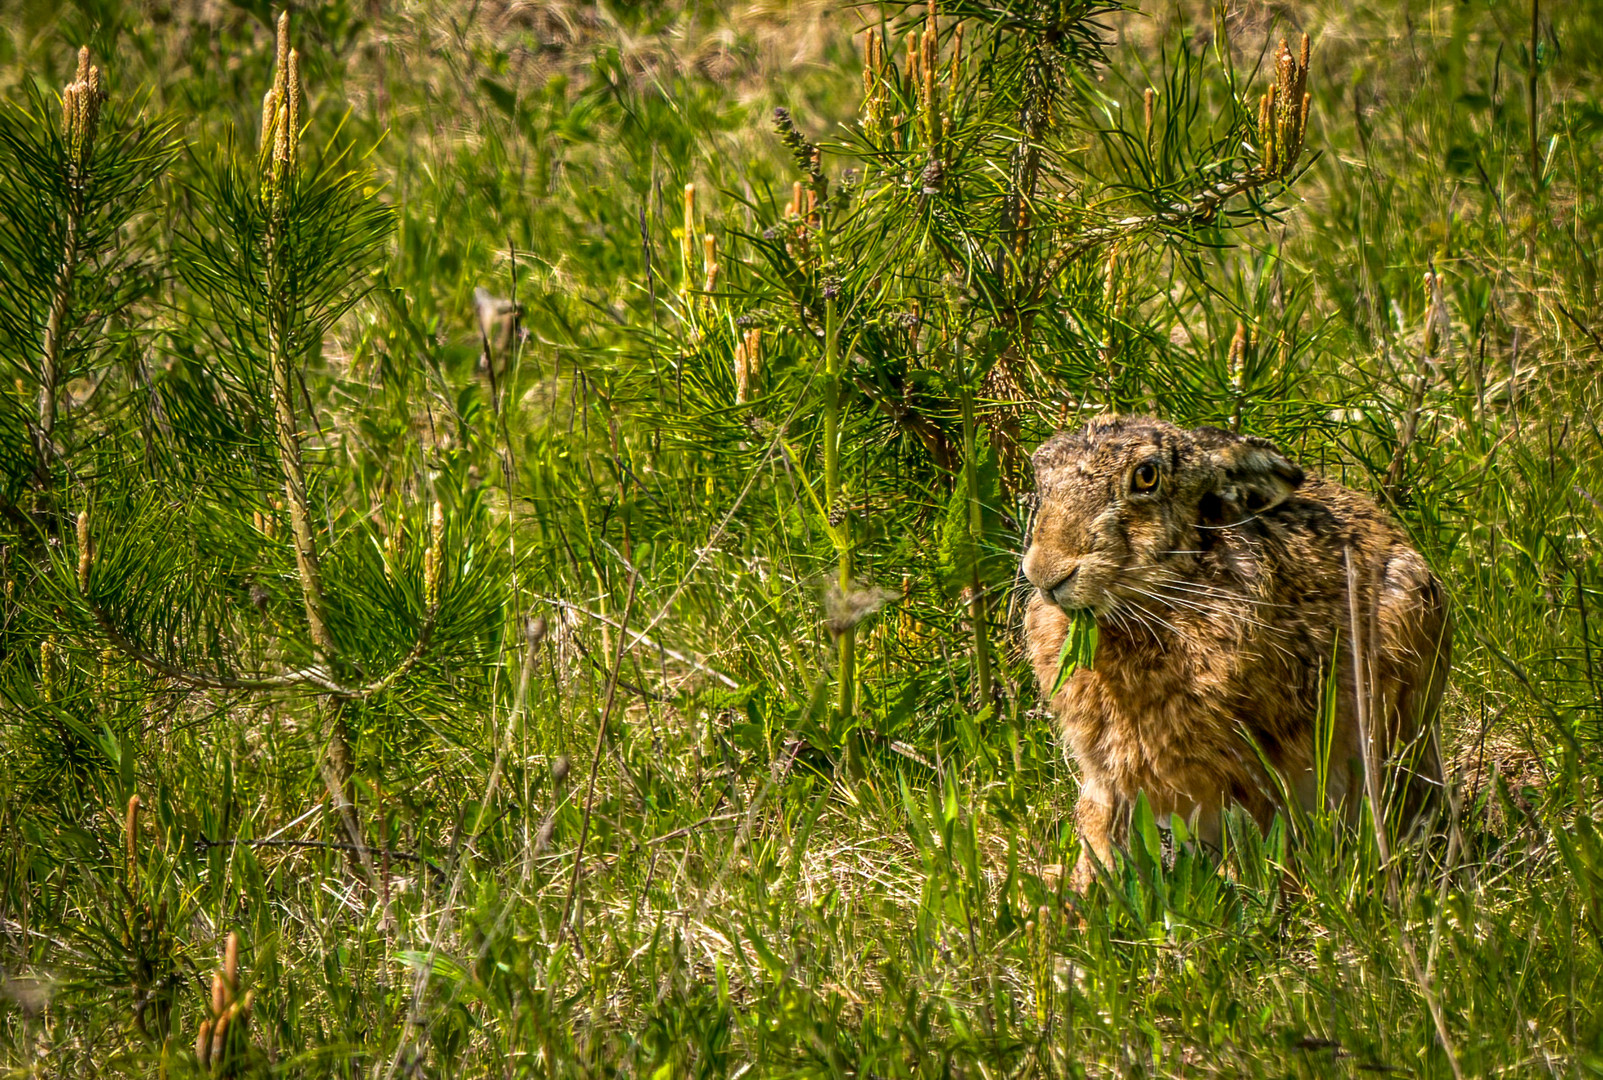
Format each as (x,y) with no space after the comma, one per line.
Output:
(1530,92)
(977,607)
(55,334)
(280,352)
(840,526)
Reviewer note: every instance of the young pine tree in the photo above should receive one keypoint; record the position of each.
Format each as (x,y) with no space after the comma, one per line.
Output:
(1010,232)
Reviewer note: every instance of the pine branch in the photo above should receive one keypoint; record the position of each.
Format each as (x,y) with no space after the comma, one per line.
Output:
(80,105)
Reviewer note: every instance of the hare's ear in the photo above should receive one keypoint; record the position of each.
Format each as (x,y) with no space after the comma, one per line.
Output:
(1250,476)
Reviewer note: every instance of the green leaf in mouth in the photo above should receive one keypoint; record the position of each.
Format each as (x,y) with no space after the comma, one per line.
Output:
(1079,648)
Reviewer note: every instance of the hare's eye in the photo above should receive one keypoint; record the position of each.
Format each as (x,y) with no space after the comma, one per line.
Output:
(1145,478)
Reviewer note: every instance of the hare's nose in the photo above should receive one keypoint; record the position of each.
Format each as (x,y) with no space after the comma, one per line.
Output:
(1051,589)
(1048,574)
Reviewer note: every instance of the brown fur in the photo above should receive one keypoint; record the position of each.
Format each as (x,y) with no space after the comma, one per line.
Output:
(1222,602)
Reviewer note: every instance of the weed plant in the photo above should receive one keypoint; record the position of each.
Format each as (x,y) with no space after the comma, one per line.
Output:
(509,543)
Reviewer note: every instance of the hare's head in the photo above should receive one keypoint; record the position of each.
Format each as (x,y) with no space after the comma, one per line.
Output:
(1127,503)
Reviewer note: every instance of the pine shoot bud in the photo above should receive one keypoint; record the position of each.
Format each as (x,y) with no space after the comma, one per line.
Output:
(431,557)
(709,244)
(688,240)
(131,836)
(85,551)
(1283,111)
(47,667)
(80,114)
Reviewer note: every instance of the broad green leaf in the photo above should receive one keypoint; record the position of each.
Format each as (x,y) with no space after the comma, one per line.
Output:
(1079,648)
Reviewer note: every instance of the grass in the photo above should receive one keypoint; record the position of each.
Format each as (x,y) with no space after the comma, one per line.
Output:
(614,822)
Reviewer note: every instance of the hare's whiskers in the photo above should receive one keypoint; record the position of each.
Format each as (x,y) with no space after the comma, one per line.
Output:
(1201,589)
(1159,619)
(1223,612)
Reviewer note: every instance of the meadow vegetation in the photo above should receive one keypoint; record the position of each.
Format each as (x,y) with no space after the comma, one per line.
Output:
(510,542)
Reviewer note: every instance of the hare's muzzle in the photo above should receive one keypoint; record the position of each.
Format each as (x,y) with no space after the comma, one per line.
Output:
(1054,575)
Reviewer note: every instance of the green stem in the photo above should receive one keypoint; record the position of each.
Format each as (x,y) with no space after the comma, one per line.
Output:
(55,333)
(280,350)
(840,527)
(290,462)
(979,616)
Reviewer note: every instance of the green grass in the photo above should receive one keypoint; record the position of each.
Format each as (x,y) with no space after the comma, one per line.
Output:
(662,850)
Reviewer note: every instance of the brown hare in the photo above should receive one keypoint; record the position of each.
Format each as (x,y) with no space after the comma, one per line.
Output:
(1218,573)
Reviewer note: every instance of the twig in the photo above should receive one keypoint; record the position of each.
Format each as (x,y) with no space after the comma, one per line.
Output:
(633,688)
(325,845)
(308,676)
(640,636)
(1202,209)
(314,675)
(686,830)
(1597,342)
(595,758)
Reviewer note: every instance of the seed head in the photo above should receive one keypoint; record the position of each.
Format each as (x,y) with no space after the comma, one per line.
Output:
(846,606)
